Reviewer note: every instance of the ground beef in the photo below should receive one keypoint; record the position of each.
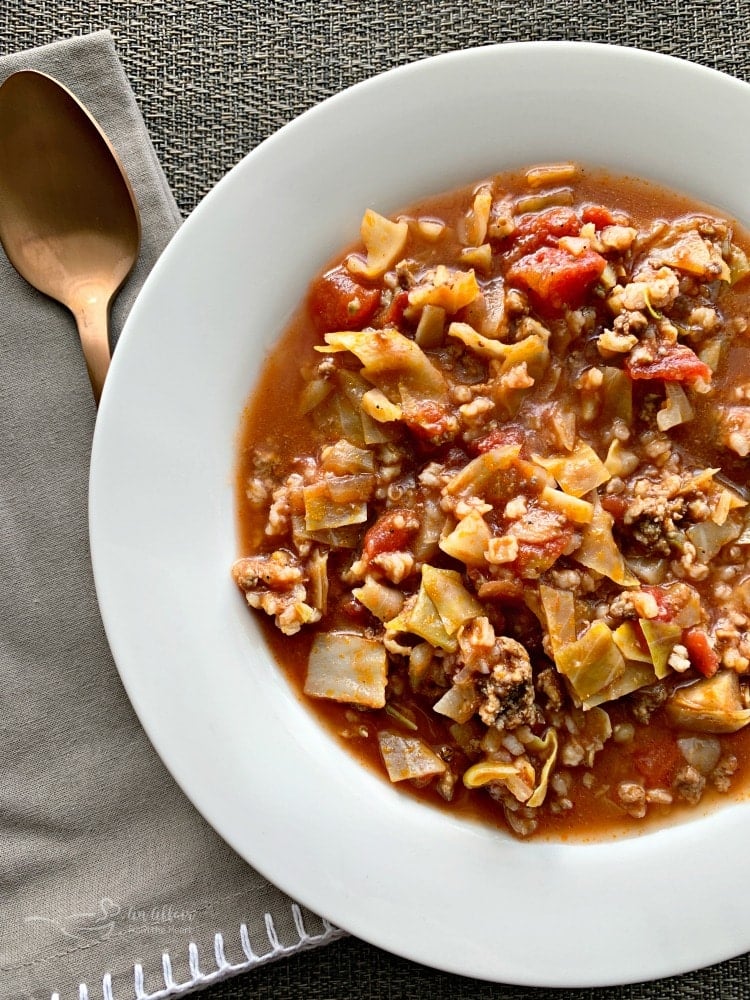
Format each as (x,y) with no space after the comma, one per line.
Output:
(508,692)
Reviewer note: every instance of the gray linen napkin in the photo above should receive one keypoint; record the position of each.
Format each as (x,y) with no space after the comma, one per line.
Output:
(108,876)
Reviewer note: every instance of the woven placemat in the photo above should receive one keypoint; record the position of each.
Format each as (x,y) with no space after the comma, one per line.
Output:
(213,79)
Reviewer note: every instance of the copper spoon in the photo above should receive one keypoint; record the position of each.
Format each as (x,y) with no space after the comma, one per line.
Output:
(69,222)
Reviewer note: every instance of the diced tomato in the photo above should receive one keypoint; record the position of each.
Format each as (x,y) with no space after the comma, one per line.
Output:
(700,652)
(430,421)
(556,278)
(664,601)
(673,363)
(599,215)
(390,533)
(658,762)
(534,558)
(338,302)
(539,228)
(498,438)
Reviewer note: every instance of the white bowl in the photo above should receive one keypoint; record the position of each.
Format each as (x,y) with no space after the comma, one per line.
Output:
(252,758)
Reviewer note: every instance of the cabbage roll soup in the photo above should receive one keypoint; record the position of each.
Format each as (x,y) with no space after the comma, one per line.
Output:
(493,502)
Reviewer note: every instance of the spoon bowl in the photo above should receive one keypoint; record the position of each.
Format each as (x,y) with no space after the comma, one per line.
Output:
(69,222)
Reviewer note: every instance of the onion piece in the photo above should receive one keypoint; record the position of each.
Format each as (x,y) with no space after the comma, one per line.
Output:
(459,702)
(676,409)
(702,752)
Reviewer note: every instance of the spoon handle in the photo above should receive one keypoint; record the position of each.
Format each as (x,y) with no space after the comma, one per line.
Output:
(92,319)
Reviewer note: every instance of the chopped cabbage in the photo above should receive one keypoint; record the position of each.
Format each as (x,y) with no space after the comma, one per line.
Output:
(384,242)
(453,602)
(592,662)
(468,541)
(710,705)
(560,613)
(408,758)
(661,638)
(479,472)
(347,667)
(577,473)
(598,550)
(391,359)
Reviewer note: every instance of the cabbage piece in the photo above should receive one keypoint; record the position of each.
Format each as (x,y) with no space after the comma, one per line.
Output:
(560,614)
(727,502)
(347,537)
(444,287)
(518,777)
(313,394)
(391,360)
(710,353)
(531,351)
(649,570)
(453,602)
(480,471)
(384,242)
(480,257)
(420,661)
(421,618)
(709,538)
(711,705)
(355,388)
(382,601)
(617,397)
(661,638)
(547,749)
(629,641)
(408,757)
(483,346)
(473,227)
(635,676)
(691,254)
(317,590)
(432,527)
(468,541)
(350,489)
(592,662)
(336,417)
(347,667)
(322,512)
(598,550)
(377,406)
(430,330)
(577,473)
(576,510)
(343,458)
(739,266)
(459,702)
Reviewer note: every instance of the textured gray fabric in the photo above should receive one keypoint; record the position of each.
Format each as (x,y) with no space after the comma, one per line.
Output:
(103,861)
(213,78)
